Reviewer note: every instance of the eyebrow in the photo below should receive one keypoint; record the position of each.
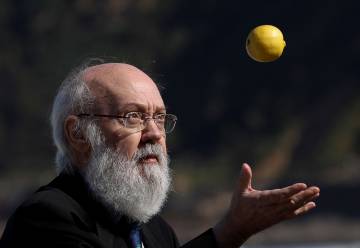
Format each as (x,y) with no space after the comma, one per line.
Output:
(137,107)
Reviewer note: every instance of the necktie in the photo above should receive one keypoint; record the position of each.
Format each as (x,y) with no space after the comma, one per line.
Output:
(135,238)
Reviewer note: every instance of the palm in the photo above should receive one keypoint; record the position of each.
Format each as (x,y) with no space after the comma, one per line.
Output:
(253,210)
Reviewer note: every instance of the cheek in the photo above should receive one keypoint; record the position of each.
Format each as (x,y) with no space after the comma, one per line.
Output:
(115,137)
(129,144)
(163,144)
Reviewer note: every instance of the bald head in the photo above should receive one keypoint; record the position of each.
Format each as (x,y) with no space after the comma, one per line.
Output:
(114,71)
(115,84)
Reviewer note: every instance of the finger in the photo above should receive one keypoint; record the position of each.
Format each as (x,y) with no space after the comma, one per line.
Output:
(277,196)
(244,182)
(302,210)
(304,197)
(292,205)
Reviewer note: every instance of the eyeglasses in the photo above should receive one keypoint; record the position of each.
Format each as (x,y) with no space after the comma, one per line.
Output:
(136,121)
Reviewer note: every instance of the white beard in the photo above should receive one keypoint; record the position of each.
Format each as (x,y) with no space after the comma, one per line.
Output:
(127,187)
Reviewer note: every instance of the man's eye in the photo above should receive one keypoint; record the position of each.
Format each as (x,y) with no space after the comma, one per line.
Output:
(160,117)
(133,115)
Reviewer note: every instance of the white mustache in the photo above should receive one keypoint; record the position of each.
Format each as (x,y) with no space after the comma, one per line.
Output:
(149,150)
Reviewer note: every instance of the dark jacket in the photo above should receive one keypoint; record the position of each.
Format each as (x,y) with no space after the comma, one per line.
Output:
(63,214)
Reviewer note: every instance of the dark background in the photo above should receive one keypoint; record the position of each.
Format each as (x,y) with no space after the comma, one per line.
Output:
(295,119)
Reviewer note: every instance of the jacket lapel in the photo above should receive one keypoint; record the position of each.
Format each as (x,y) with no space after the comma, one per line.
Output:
(149,238)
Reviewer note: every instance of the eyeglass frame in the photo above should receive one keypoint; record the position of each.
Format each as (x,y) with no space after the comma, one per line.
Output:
(144,119)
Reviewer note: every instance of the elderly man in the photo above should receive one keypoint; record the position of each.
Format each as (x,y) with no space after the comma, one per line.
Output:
(109,126)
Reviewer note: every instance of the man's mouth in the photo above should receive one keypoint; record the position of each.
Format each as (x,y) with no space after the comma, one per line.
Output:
(149,159)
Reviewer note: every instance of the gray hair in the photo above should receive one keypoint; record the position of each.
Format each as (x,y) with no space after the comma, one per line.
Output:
(73,97)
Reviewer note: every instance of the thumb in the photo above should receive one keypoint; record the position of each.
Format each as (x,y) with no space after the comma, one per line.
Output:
(244,182)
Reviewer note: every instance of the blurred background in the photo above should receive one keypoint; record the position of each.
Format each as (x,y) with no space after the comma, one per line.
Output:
(296,119)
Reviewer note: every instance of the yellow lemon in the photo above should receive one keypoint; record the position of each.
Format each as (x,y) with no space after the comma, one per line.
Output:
(265,43)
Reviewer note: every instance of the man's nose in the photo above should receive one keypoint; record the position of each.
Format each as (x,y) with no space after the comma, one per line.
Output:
(151,133)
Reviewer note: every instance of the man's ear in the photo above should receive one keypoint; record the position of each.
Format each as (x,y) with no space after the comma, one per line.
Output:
(74,135)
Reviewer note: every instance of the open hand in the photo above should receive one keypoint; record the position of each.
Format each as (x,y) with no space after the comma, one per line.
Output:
(253,210)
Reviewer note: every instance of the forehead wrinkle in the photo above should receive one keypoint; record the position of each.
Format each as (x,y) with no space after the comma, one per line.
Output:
(139,107)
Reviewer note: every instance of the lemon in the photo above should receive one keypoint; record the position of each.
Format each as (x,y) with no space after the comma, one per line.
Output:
(265,43)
